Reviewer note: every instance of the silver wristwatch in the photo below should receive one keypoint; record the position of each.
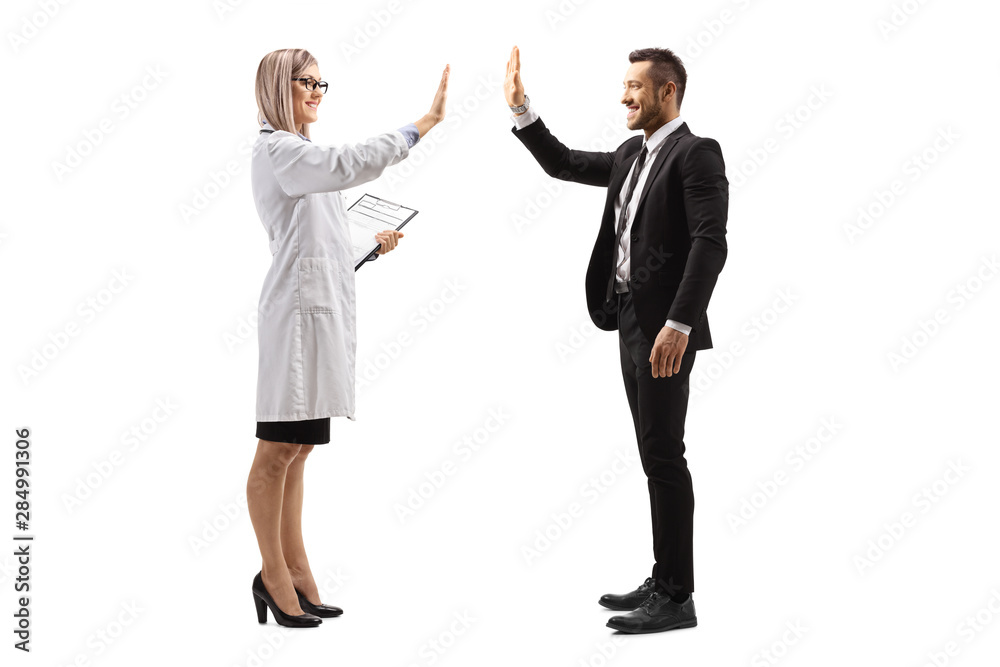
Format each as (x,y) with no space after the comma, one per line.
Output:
(523,107)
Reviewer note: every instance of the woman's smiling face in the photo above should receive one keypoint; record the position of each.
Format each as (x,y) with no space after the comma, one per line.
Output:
(305,102)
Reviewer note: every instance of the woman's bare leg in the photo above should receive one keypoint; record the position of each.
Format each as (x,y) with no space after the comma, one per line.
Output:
(292,545)
(265,490)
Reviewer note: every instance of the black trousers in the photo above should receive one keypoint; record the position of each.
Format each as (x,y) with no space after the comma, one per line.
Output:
(659,406)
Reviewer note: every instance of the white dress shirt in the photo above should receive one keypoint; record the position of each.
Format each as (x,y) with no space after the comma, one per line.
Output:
(652,148)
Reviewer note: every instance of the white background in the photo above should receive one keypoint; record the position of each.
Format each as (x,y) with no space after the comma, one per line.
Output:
(819,109)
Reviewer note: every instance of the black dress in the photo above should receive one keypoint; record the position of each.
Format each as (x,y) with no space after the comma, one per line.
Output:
(304,432)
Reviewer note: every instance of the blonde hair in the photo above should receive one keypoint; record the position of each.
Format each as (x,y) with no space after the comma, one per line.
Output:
(273,88)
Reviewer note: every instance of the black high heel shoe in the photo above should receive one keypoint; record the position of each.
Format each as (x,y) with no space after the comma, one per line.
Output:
(262,599)
(322,610)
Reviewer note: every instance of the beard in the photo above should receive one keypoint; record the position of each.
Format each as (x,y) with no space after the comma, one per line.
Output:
(647,112)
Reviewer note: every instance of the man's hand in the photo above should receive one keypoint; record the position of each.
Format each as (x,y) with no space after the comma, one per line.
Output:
(668,348)
(513,89)
(389,240)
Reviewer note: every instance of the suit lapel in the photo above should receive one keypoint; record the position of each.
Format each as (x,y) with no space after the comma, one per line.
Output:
(618,179)
(661,157)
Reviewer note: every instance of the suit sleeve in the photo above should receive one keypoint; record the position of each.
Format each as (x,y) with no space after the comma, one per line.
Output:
(558,161)
(302,167)
(706,204)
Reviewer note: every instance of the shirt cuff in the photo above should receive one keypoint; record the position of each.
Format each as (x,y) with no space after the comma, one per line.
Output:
(525,119)
(411,134)
(683,328)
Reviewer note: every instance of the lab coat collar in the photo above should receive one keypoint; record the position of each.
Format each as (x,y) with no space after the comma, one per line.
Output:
(267,126)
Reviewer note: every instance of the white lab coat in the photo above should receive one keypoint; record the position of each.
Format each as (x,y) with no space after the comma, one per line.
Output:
(305,317)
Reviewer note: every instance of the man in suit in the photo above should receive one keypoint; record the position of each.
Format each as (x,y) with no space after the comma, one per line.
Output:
(658,254)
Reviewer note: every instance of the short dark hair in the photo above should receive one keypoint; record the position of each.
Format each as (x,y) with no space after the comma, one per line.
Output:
(666,67)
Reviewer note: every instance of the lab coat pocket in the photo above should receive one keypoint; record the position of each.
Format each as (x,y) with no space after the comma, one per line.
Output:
(319,285)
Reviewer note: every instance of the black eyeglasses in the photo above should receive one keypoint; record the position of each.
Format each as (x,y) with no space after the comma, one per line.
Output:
(311,84)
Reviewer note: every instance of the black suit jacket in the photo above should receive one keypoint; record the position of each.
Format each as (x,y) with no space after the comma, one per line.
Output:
(678,235)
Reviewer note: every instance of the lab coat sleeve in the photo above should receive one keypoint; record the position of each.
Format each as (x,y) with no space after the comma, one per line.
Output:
(302,167)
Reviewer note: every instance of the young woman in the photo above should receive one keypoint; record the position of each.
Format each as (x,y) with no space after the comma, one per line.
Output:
(305,326)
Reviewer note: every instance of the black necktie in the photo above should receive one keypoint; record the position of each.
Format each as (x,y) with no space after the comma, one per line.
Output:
(623,216)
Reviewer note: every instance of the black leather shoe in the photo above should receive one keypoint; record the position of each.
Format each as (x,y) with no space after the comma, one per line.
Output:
(321,610)
(656,614)
(627,601)
(262,599)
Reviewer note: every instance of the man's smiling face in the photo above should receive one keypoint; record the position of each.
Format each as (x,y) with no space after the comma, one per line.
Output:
(643,104)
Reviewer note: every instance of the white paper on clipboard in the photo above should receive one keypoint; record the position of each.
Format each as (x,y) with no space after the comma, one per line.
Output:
(370,215)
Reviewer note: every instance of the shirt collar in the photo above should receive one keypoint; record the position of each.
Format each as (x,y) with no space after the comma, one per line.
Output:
(301,136)
(657,138)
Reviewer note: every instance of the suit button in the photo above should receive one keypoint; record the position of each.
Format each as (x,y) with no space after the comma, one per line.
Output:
(635,237)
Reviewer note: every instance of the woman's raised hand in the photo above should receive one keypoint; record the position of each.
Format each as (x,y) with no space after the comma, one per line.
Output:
(436,114)
(440,97)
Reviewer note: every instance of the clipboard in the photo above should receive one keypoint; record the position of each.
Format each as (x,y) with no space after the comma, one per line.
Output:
(369,215)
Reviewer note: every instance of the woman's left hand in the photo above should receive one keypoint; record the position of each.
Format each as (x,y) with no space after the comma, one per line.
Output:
(389,240)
